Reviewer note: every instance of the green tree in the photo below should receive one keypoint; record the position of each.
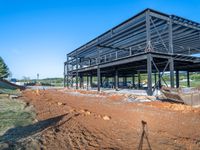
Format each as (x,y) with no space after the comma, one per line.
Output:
(4,71)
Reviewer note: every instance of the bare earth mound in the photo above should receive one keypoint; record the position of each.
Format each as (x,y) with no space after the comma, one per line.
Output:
(98,121)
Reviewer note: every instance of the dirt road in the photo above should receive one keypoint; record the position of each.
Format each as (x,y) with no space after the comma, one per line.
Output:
(98,121)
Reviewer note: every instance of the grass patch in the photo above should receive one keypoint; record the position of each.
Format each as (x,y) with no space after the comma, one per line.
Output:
(14,113)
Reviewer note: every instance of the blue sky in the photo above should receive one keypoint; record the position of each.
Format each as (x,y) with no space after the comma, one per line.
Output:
(35,35)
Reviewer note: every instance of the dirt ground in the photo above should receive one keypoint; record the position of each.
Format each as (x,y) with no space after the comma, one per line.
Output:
(87,120)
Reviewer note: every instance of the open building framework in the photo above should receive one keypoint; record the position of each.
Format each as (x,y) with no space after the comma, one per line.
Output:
(150,42)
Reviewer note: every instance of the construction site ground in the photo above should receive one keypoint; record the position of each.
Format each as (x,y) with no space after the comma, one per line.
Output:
(71,119)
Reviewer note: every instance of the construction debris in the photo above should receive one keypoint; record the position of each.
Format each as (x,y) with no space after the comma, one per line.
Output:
(189,96)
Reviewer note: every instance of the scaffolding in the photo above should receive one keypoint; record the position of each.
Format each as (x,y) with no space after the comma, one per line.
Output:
(150,42)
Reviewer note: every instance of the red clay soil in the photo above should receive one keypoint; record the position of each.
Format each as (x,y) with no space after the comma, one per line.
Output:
(106,122)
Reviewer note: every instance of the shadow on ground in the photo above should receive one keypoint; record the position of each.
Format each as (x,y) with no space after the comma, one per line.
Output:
(17,133)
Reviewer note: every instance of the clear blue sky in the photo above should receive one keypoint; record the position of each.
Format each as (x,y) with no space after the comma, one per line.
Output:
(35,35)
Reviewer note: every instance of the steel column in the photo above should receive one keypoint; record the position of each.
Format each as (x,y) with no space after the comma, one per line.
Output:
(155,76)
(177,79)
(64,75)
(81,81)
(91,80)
(148,31)
(188,79)
(138,72)
(98,78)
(133,80)
(159,80)
(76,70)
(116,79)
(149,72)
(171,49)
(171,67)
(87,81)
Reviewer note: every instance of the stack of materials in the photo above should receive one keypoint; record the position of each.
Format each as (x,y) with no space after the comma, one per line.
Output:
(189,96)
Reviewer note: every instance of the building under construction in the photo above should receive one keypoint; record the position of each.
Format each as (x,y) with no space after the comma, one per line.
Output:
(151,43)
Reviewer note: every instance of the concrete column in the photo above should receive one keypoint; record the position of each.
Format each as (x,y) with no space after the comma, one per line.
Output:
(149,72)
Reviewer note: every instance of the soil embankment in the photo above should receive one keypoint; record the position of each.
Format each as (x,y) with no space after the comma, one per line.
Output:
(99,121)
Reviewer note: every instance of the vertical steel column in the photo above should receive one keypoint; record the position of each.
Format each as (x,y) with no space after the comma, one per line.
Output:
(138,72)
(81,81)
(149,57)
(98,78)
(98,71)
(171,67)
(188,79)
(72,85)
(67,71)
(133,80)
(177,79)
(148,31)
(155,76)
(91,80)
(159,82)
(149,72)
(171,49)
(64,75)
(116,79)
(87,81)
(76,70)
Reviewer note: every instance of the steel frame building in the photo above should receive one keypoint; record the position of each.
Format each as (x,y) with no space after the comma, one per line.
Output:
(150,42)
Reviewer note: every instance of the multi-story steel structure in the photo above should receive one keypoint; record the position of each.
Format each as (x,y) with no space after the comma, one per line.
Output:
(150,42)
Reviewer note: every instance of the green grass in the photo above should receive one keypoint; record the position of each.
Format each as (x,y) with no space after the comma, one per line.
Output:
(13,113)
